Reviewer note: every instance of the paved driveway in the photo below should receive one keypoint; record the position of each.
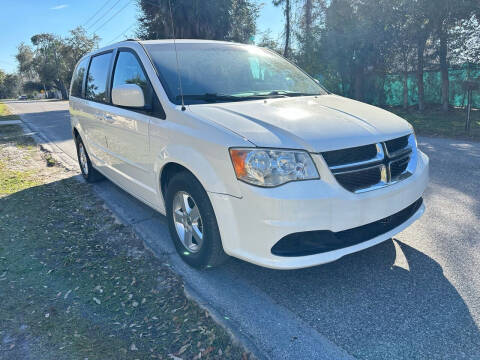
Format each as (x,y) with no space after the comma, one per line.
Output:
(417,296)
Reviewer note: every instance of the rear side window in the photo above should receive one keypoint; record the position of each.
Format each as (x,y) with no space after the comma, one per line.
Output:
(129,71)
(77,78)
(96,88)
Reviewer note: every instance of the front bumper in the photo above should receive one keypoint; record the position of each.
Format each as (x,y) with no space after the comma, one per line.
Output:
(252,225)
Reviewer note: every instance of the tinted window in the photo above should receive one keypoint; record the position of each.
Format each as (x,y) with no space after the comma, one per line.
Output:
(97,78)
(77,78)
(129,71)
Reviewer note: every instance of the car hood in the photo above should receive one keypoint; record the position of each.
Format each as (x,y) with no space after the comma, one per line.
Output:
(322,123)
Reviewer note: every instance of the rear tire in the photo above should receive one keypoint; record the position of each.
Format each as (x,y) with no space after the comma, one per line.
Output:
(89,173)
(192,222)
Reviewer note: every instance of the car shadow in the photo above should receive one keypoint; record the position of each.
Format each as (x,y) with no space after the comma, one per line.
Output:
(389,301)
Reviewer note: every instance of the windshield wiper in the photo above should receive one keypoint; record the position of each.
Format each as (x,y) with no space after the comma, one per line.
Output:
(289,93)
(207,97)
(214,97)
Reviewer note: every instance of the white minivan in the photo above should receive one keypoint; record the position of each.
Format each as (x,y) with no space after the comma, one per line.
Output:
(244,153)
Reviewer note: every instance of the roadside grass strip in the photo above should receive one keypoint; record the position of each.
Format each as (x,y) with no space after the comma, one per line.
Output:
(6,115)
(434,122)
(77,284)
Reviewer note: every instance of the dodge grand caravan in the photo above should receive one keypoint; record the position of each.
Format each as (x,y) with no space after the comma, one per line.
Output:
(244,153)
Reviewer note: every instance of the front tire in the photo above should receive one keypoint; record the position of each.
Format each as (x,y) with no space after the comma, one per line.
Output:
(192,222)
(89,173)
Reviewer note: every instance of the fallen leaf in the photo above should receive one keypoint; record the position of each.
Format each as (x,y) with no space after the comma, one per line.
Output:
(208,350)
(183,349)
(173,357)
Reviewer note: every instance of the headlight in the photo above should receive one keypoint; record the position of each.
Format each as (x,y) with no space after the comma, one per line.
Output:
(268,167)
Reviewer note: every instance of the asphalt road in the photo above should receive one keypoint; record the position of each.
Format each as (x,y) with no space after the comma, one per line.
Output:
(415,297)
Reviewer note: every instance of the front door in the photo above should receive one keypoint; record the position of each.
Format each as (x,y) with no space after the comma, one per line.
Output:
(127,133)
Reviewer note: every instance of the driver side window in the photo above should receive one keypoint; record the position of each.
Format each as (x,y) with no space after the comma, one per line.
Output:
(129,71)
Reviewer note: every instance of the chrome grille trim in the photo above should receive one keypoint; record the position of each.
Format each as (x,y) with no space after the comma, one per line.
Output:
(384,161)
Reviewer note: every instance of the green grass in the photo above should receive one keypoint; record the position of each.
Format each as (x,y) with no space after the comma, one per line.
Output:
(434,122)
(76,284)
(5,114)
(12,181)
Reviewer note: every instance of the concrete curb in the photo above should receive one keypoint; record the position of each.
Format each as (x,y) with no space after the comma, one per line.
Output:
(10,122)
(46,144)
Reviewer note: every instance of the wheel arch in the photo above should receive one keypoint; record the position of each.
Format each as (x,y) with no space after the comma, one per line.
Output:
(75,134)
(168,171)
(212,168)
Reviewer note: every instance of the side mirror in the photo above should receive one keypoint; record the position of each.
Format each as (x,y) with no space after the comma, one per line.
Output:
(128,95)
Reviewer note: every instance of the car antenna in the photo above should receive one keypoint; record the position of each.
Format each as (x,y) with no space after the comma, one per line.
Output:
(176,56)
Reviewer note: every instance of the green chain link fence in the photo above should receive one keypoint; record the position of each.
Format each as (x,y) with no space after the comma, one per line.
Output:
(392,85)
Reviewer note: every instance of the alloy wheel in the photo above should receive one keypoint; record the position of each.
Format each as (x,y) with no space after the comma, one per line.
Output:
(82,157)
(188,221)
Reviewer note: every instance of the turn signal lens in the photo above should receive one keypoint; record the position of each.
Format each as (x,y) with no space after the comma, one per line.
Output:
(238,160)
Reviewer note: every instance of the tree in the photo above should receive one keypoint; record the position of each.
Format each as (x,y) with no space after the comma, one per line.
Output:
(48,63)
(421,26)
(74,47)
(8,85)
(231,20)
(465,41)
(402,26)
(32,86)
(309,35)
(52,59)
(268,42)
(244,14)
(357,41)
(445,16)
(25,60)
(287,10)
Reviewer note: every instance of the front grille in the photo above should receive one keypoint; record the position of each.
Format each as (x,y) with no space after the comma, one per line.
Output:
(360,180)
(397,144)
(320,241)
(368,167)
(351,155)
(398,167)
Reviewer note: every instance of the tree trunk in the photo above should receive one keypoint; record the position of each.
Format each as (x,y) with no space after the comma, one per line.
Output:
(307,46)
(286,51)
(420,67)
(380,96)
(308,25)
(444,70)
(61,86)
(343,76)
(308,17)
(358,83)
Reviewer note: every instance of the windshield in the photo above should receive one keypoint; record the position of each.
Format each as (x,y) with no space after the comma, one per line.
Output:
(215,72)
